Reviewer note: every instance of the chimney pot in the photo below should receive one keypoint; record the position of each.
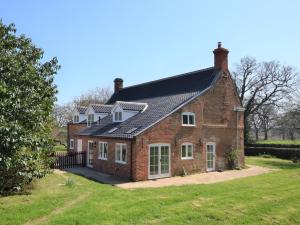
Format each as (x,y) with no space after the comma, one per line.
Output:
(221,58)
(118,84)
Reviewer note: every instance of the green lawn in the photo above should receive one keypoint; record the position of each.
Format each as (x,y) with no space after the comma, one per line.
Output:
(60,148)
(287,142)
(272,198)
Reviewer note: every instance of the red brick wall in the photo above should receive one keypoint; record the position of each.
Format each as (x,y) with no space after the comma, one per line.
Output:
(73,129)
(108,166)
(215,122)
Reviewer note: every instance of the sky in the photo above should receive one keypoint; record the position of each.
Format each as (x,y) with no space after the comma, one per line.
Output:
(140,41)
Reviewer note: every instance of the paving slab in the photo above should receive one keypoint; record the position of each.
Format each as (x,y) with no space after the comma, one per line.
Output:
(199,178)
(96,176)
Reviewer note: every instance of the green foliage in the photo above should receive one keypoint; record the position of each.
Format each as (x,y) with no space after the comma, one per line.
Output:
(282,142)
(70,182)
(232,158)
(60,148)
(27,96)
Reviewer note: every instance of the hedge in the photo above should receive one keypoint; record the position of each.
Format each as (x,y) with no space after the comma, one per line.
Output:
(283,153)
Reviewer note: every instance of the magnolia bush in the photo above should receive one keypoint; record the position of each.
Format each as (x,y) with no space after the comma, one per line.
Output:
(27,96)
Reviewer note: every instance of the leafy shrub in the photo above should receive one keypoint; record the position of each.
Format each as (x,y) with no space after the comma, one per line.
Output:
(70,182)
(19,170)
(282,153)
(232,158)
(27,96)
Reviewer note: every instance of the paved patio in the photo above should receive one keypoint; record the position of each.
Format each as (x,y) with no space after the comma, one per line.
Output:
(96,176)
(199,178)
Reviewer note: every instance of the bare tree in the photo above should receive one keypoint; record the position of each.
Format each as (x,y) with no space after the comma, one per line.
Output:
(268,116)
(259,84)
(95,96)
(62,114)
(256,123)
(289,122)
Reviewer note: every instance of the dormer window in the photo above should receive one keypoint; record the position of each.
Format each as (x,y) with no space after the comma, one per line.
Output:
(118,116)
(90,119)
(188,119)
(76,119)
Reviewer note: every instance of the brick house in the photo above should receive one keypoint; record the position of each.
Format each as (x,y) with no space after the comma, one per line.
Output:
(172,126)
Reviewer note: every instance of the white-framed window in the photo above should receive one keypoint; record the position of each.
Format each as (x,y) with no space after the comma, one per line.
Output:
(90,119)
(71,143)
(102,151)
(118,116)
(121,153)
(76,119)
(187,150)
(188,119)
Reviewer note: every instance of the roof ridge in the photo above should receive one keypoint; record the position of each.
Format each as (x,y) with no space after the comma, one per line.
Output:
(166,78)
(137,103)
(96,104)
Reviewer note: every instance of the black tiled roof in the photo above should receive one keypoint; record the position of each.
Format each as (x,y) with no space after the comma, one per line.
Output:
(81,109)
(134,106)
(101,108)
(162,97)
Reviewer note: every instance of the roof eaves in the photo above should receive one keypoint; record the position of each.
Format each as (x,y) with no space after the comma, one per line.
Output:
(183,104)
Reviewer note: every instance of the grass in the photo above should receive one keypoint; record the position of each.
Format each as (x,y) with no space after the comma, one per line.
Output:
(271,198)
(286,142)
(60,148)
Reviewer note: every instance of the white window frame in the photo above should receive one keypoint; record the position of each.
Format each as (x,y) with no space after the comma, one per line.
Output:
(186,144)
(101,150)
(118,116)
(76,120)
(116,150)
(88,121)
(188,114)
(72,143)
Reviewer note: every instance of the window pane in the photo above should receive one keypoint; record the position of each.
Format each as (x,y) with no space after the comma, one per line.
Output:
(190,150)
(124,153)
(183,151)
(105,150)
(185,119)
(191,119)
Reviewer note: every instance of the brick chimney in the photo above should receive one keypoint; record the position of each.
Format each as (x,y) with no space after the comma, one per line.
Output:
(221,57)
(118,84)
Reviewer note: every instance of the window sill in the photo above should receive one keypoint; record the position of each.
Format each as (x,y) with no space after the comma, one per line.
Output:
(188,125)
(103,159)
(120,162)
(187,158)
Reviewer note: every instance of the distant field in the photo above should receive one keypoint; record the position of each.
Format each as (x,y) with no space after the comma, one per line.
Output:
(59,148)
(282,142)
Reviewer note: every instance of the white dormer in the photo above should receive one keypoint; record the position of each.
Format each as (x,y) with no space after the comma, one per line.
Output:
(96,112)
(124,110)
(79,114)
(117,113)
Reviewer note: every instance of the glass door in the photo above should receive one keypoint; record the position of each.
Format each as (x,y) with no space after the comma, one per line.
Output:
(90,154)
(159,161)
(210,156)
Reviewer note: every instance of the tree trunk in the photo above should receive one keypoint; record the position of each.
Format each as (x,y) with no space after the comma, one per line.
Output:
(266,134)
(256,134)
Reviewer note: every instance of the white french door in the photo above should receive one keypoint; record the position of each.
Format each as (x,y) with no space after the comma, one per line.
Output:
(90,154)
(210,156)
(79,145)
(159,161)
